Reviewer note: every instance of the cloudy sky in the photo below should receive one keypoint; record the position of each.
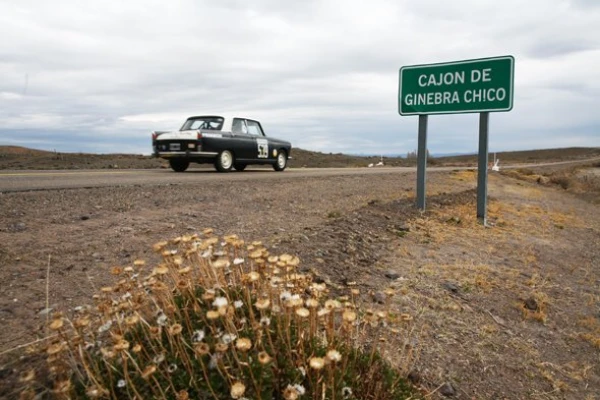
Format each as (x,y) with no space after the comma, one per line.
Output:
(99,76)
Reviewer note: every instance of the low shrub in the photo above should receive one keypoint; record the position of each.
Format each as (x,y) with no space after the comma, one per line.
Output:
(219,319)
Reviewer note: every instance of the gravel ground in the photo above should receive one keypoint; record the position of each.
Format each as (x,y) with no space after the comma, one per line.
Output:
(497,311)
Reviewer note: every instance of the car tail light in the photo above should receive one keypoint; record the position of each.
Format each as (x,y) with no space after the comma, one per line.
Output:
(154,135)
(199,135)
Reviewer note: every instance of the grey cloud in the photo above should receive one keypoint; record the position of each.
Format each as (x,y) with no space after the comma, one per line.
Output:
(323,74)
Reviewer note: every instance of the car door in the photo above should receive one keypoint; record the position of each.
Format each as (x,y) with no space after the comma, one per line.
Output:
(262,150)
(243,144)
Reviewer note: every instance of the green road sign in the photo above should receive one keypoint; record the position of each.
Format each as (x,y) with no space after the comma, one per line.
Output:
(482,85)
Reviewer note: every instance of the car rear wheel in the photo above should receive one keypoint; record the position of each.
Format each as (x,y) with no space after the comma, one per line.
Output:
(239,167)
(179,165)
(224,161)
(281,161)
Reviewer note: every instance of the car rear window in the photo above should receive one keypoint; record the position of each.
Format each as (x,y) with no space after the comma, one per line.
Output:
(206,123)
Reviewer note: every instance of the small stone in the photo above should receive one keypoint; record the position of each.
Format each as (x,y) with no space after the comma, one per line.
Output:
(391,275)
(447,390)
(19,227)
(84,217)
(531,304)
(379,297)
(414,377)
(451,287)
(96,255)
(454,220)
(45,311)
(403,228)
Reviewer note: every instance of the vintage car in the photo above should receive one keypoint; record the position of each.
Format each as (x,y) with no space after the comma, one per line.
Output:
(227,142)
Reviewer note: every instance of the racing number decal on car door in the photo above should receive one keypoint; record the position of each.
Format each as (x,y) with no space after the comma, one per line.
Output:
(263,148)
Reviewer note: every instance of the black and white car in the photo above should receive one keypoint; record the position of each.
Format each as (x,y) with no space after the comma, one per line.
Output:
(225,141)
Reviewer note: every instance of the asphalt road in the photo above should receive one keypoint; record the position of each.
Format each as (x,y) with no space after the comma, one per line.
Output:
(18,181)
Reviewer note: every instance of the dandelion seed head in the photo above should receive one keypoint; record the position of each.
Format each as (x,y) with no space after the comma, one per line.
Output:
(316,363)
(238,261)
(302,312)
(228,338)
(214,359)
(172,368)
(265,321)
(132,320)
(221,347)
(198,336)
(238,304)
(160,270)
(202,348)
(253,276)
(121,383)
(333,304)
(162,319)
(175,329)
(206,253)
(264,357)
(105,327)
(323,311)
(212,314)
(56,324)
(312,303)
(290,393)
(220,302)
(285,295)
(237,390)
(262,304)
(349,316)
(300,389)
(158,358)
(243,344)
(334,355)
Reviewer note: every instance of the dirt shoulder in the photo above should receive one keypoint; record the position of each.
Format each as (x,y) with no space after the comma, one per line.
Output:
(509,311)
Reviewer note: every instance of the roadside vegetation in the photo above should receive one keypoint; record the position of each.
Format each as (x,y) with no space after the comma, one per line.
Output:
(221,319)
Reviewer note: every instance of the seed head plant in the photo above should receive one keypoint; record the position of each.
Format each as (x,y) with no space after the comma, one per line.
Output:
(218,318)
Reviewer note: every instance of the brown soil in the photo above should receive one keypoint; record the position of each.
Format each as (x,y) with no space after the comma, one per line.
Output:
(507,311)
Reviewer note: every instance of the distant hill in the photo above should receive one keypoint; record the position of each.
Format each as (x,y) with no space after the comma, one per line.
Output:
(529,156)
(18,158)
(18,150)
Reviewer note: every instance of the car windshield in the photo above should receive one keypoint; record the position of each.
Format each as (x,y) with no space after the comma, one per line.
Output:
(208,123)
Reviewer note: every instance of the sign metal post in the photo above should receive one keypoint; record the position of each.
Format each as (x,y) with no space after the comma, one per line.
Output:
(422,162)
(470,86)
(482,176)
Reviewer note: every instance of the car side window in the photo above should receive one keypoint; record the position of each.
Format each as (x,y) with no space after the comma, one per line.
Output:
(254,128)
(239,126)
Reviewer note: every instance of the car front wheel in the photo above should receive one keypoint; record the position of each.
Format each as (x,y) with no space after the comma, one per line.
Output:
(179,165)
(281,161)
(224,161)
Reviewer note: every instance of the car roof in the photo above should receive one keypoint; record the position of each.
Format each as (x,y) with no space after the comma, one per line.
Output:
(227,116)
(227,119)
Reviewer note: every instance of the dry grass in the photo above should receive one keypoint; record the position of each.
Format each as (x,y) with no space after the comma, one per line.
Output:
(221,319)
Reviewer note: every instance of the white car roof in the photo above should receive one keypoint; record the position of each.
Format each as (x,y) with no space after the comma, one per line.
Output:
(227,118)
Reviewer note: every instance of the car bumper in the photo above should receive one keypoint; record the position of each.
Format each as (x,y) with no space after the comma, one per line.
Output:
(184,154)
